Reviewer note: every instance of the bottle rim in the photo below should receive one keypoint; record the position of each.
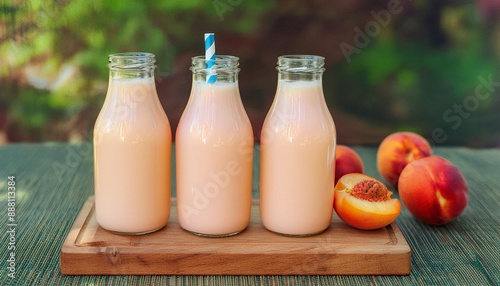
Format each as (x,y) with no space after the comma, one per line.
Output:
(223,63)
(131,61)
(218,58)
(301,57)
(301,64)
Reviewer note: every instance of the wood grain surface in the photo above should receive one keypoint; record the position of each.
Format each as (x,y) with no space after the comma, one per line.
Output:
(88,249)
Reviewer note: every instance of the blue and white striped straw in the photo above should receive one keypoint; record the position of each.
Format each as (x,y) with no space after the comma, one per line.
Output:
(210,55)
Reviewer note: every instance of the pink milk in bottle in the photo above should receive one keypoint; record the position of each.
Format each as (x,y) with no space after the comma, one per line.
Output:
(214,150)
(132,150)
(298,152)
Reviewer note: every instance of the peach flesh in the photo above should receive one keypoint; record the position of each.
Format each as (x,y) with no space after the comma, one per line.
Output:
(360,213)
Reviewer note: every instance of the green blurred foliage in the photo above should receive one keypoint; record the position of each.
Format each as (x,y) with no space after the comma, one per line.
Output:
(52,34)
(410,74)
(408,81)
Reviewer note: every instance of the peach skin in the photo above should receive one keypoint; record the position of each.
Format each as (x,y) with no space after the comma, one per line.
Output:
(397,150)
(346,161)
(433,190)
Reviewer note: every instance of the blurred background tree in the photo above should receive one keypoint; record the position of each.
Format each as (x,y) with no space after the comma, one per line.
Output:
(414,65)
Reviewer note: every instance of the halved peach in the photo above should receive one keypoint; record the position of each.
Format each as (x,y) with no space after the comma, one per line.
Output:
(364,202)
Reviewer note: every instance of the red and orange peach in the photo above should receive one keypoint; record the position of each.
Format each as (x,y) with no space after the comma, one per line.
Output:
(346,161)
(433,190)
(364,202)
(397,150)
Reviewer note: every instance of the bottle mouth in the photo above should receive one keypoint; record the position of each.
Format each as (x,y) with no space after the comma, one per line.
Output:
(135,61)
(307,64)
(223,63)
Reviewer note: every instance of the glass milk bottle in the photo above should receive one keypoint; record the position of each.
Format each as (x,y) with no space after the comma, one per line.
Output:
(298,151)
(214,152)
(132,150)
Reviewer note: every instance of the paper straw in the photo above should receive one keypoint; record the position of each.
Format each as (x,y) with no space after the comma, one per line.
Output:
(210,55)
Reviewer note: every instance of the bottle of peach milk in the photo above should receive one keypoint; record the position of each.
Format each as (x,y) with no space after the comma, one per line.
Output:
(214,152)
(132,150)
(298,142)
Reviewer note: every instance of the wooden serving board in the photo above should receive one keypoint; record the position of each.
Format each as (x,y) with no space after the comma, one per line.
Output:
(89,249)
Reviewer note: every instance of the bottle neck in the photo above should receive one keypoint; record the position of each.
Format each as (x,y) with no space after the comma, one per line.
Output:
(299,77)
(224,70)
(300,68)
(131,78)
(120,74)
(202,77)
(131,66)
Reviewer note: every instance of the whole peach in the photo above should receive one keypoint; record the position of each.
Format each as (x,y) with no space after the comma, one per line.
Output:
(346,161)
(397,150)
(433,190)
